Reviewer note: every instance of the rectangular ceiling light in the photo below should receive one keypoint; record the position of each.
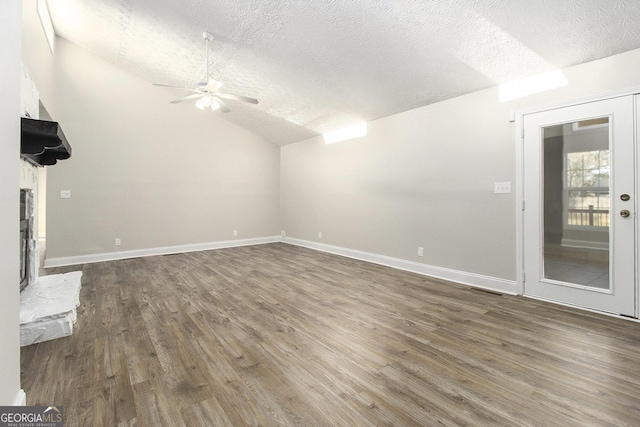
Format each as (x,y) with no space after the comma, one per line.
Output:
(47,24)
(531,85)
(349,132)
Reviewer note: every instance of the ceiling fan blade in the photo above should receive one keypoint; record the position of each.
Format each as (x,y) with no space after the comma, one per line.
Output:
(210,85)
(171,86)
(188,89)
(237,97)
(223,107)
(186,98)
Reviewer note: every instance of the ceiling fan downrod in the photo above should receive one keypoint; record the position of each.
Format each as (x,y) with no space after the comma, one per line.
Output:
(207,38)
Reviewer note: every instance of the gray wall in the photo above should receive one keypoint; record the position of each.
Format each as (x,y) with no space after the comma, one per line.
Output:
(426,178)
(10,73)
(421,178)
(151,173)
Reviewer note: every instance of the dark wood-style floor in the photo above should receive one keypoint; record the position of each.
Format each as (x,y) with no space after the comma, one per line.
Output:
(281,335)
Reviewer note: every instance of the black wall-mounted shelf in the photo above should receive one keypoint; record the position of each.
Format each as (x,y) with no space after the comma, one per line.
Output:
(43,142)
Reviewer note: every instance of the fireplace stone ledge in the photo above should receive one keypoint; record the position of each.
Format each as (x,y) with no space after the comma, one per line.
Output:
(48,307)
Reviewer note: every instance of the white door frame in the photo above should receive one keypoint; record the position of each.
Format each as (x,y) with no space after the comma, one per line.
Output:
(519,187)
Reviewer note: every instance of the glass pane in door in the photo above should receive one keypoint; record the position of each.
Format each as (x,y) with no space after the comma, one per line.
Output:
(576,203)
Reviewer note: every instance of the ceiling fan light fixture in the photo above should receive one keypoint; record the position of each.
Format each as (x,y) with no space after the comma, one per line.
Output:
(205,101)
(206,90)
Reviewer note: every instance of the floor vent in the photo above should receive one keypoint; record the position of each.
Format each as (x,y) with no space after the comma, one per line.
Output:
(488,291)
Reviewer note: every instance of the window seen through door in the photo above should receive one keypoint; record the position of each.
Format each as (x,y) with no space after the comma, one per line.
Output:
(587,181)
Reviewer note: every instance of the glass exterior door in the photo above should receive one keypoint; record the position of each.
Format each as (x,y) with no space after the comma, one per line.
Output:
(579,205)
(576,200)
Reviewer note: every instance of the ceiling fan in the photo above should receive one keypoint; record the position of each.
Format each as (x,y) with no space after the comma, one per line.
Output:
(206,91)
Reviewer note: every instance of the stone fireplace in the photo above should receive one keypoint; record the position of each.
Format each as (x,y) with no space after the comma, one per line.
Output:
(28,265)
(31,179)
(31,214)
(47,302)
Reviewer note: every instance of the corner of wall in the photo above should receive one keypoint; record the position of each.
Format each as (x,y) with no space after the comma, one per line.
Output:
(10,45)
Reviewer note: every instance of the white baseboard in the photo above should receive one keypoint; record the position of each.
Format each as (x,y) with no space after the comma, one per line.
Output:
(167,250)
(21,399)
(462,277)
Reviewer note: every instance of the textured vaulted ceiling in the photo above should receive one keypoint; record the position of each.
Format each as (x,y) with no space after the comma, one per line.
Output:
(320,64)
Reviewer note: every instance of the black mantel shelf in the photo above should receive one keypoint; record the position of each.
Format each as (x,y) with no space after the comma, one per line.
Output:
(43,142)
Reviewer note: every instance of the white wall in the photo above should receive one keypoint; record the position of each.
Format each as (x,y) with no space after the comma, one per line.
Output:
(10,72)
(36,56)
(151,173)
(426,178)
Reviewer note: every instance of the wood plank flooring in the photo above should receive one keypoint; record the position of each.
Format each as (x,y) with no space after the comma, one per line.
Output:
(278,335)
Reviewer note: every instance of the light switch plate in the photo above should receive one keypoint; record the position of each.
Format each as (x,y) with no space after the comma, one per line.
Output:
(65,194)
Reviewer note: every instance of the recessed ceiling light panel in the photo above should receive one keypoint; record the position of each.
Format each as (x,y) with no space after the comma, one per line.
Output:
(530,85)
(354,131)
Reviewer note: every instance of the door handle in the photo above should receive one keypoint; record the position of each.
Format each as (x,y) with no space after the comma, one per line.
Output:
(625,213)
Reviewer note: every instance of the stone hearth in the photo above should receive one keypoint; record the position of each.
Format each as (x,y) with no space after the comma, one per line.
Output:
(48,307)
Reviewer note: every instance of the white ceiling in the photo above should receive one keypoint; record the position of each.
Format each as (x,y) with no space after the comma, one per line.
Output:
(320,64)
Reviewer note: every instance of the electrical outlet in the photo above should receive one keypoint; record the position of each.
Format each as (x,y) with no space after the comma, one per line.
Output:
(283,233)
(235,233)
(118,241)
(420,251)
(65,194)
(319,234)
(502,187)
